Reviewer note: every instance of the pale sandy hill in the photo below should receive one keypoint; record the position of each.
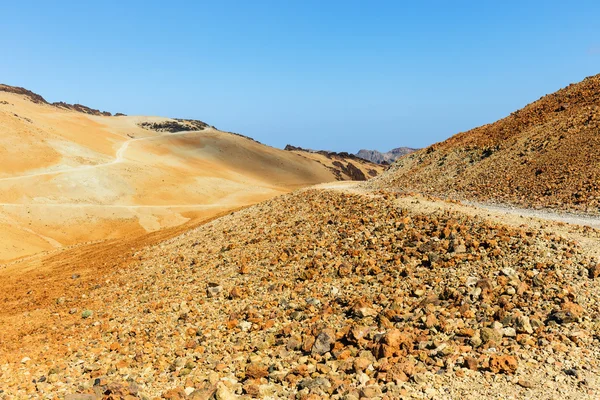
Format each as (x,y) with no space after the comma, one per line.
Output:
(71,176)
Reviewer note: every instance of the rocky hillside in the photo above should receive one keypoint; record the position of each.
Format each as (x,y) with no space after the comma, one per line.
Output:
(317,294)
(175,125)
(384,158)
(544,155)
(344,166)
(36,98)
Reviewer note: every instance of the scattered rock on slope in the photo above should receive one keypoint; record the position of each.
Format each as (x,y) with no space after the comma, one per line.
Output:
(543,155)
(174,125)
(344,296)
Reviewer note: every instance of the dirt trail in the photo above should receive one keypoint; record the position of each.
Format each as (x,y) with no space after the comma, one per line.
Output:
(76,255)
(119,157)
(585,230)
(575,219)
(545,215)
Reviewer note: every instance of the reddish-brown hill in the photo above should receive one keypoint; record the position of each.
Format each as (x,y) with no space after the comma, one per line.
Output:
(544,155)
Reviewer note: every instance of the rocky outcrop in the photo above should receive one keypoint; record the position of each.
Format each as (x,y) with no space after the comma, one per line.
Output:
(350,169)
(81,108)
(384,158)
(289,147)
(36,98)
(329,154)
(244,136)
(174,125)
(343,165)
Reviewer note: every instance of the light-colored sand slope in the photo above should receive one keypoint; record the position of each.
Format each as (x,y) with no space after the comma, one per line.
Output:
(67,177)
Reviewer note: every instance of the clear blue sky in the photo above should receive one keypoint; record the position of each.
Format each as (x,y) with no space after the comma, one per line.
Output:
(338,75)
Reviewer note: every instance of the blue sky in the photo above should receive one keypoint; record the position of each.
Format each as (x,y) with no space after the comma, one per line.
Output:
(337,75)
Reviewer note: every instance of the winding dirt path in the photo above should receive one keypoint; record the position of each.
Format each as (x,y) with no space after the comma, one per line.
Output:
(119,157)
(545,215)
(584,229)
(574,219)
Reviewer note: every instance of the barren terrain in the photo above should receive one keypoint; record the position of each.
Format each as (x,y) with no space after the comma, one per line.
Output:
(542,156)
(159,279)
(334,291)
(344,166)
(72,175)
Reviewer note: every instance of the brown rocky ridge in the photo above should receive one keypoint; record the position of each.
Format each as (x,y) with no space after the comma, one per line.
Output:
(387,157)
(175,125)
(542,156)
(320,294)
(36,98)
(344,165)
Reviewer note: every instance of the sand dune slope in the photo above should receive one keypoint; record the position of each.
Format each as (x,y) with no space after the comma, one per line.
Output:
(68,176)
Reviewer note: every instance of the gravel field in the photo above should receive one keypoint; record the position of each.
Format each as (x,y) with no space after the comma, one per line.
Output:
(325,293)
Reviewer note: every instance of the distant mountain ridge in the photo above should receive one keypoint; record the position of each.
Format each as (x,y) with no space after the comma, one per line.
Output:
(343,165)
(384,158)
